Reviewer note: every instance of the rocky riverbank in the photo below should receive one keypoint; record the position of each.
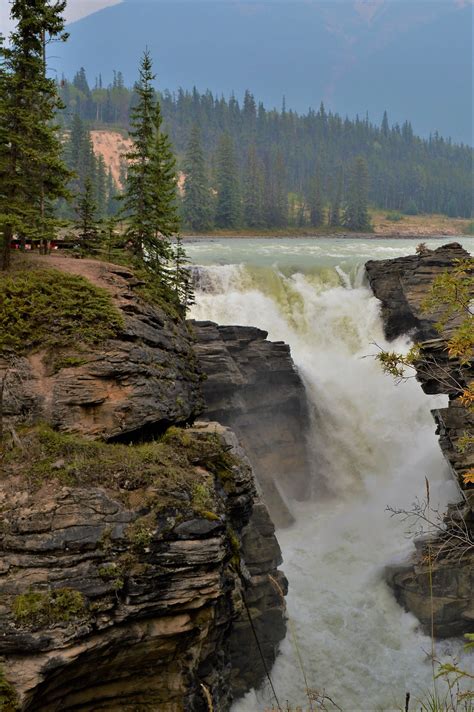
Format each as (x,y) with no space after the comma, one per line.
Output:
(253,387)
(134,542)
(444,589)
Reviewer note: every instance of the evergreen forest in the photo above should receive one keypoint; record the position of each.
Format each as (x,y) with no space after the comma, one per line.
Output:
(247,166)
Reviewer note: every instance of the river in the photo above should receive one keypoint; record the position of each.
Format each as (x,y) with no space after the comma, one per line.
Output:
(373,443)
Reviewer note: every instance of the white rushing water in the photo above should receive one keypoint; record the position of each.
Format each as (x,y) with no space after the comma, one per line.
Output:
(373,442)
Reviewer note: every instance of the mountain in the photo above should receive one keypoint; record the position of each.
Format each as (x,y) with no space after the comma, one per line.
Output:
(411,58)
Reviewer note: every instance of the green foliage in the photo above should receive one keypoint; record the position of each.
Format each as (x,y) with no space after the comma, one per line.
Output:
(140,534)
(202,498)
(87,222)
(275,192)
(85,167)
(395,364)
(39,608)
(254,187)
(469,229)
(8,697)
(150,193)
(32,172)
(316,203)
(450,297)
(60,362)
(356,213)
(48,308)
(235,546)
(334,215)
(402,166)
(197,201)
(228,209)
(394,217)
(180,277)
(165,466)
(411,208)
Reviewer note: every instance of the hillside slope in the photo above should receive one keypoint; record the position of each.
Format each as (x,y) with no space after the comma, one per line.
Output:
(389,55)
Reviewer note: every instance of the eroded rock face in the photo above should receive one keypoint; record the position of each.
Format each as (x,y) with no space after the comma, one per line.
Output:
(158,613)
(253,387)
(402,285)
(108,602)
(145,379)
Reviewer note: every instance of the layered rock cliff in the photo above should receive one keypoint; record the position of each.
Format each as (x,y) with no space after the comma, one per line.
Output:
(253,387)
(131,553)
(444,589)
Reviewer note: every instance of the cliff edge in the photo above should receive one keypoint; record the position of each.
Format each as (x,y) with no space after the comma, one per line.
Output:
(444,590)
(133,542)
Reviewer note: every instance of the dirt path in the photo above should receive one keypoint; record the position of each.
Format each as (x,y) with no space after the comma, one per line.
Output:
(101,274)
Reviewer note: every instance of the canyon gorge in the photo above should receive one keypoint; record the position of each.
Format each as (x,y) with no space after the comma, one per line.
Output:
(142,480)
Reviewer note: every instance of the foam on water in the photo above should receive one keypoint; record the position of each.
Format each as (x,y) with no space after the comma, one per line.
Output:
(373,443)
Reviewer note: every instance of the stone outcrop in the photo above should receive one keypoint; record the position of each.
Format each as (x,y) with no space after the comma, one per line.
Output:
(402,285)
(446,588)
(253,387)
(121,593)
(143,380)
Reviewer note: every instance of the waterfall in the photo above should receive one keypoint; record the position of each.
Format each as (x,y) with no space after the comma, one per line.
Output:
(373,443)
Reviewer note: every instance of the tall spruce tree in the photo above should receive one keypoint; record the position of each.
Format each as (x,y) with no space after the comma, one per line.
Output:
(32,172)
(180,276)
(87,221)
(112,195)
(356,213)
(165,215)
(334,214)
(228,210)
(253,190)
(275,194)
(150,191)
(138,199)
(316,201)
(197,201)
(101,186)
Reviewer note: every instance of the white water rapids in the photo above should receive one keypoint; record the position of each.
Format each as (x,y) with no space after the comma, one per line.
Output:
(373,442)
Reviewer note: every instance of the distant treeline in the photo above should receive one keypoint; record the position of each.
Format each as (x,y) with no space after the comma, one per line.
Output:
(288,157)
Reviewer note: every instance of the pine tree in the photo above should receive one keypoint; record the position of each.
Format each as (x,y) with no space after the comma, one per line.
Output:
(165,215)
(87,222)
(101,187)
(138,198)
(385,128)
(180,276)
(228,193)
(334,215)
(197,205)
(253,190)
(276,196)
(112,195)
(150,200)
(32,172)
(316,202)
(356,214)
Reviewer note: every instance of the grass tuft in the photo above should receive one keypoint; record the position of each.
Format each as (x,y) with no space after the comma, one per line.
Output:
(37,608)
(46,308)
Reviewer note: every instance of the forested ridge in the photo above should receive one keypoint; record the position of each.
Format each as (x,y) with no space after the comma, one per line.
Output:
(294,169)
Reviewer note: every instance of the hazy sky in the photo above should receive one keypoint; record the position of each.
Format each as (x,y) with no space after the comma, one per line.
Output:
(74,11)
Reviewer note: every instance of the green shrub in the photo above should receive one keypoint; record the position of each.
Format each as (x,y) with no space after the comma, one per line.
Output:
(36,608)
(411,208)
(47,308)
(394,217)
(469,229)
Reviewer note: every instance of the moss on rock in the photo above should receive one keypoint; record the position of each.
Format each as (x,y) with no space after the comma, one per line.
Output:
(36,608)
(46,308)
